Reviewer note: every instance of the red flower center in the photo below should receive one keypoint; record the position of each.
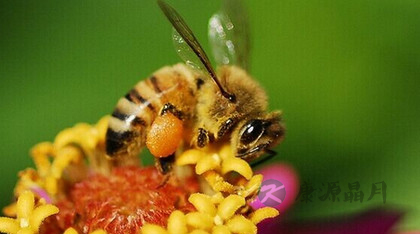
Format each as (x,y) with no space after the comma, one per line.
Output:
(121,202)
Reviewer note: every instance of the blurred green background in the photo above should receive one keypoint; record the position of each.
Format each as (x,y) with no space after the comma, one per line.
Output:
(345,73)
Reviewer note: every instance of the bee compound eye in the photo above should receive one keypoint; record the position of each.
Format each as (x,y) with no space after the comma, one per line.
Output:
(252,131)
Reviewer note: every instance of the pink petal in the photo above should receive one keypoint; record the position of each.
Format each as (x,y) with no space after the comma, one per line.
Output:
(370,222)
(285,174)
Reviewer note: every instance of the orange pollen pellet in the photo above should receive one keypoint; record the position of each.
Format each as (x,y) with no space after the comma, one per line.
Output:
(165,135)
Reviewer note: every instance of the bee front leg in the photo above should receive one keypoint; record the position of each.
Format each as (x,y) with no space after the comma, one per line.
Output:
(226,127)
(203,137)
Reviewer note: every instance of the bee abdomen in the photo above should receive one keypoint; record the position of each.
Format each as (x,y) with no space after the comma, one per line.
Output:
(131,118)
(116,141)
(136,111)
(127,127)
(123,132)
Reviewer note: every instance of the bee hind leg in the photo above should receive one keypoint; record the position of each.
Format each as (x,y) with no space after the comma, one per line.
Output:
(164,166)
(169,107)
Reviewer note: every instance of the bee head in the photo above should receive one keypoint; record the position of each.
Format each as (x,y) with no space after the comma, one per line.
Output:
(258,135)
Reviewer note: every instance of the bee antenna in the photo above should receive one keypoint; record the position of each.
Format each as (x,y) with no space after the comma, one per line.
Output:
(185,32)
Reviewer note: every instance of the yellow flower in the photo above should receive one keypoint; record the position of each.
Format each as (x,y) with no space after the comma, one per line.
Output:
(214,165)
(50,172)
(222,205)
(214,214)
(218,214)
(220,159)
(52,159)
(29,217)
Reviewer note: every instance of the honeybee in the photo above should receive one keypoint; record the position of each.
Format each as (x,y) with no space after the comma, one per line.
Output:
(193,104)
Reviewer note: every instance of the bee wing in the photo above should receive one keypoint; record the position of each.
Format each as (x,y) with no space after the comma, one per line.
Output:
(185,43)
(229,35)
(184,39)
(185,52)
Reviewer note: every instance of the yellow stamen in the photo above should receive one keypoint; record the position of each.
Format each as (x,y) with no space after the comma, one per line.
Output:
(64,157)
(199,232)
(40,213)
(177,223)
(202,203)
(199,220)
(229,206)
(237,165)
(26,230)
(220,230)
(51,185)
(102,127)
(10,210)
(191,156)
(263,213)
(217,198)
(70,231)
(28,219)
(226,152)
(25,205)
(241,225)
(40,153)
(217,182)
(9,225)
(252,186)
(207,164)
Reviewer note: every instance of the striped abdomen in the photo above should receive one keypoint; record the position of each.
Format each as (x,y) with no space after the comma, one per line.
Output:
(135,112)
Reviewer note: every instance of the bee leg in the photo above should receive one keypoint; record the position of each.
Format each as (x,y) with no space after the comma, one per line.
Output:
(204,137)
(226,127)
(169,107)
(164,181)
(164,165)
